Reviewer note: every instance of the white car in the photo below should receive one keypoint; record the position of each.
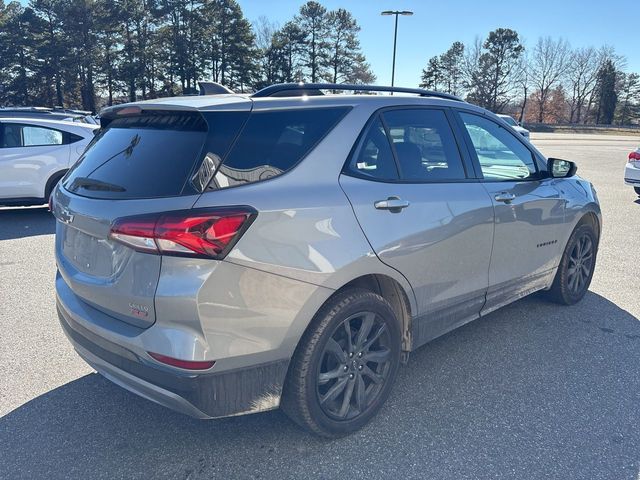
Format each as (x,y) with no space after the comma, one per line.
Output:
(515,125)
(632,171)
(35,154)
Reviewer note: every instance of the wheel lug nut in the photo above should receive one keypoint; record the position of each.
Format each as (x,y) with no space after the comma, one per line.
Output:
(359,354)
(359,367)
(350,354)
(345,368)
(351,375)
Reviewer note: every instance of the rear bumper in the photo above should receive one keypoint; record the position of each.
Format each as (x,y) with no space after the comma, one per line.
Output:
(632,175)
(200,395)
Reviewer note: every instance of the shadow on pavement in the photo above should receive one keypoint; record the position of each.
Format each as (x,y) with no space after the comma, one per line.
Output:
(532,391)
(25,222)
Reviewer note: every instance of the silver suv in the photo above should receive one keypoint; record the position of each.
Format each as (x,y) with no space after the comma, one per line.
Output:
(230,254)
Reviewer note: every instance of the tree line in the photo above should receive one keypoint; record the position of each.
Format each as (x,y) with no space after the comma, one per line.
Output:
(548,83)
(91,53)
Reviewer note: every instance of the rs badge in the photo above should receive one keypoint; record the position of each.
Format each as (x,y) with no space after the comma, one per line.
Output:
(140,311)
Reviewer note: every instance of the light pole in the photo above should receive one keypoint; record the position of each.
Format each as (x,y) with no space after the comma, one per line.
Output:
(395,37)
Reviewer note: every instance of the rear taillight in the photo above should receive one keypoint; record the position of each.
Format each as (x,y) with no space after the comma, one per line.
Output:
(208,233)
(634,156)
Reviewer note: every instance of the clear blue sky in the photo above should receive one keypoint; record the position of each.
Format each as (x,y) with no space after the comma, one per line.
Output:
(438,23)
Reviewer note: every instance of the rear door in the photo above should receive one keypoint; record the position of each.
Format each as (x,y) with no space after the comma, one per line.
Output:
(423,214)
(143,163)
(528,210)
(28,154)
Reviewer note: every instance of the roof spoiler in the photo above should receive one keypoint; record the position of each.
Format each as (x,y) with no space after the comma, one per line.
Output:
(213,88)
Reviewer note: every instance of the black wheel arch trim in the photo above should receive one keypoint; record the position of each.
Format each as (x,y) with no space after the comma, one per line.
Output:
(52,181)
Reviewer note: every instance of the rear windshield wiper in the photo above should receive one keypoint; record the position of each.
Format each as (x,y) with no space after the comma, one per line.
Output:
(93,184)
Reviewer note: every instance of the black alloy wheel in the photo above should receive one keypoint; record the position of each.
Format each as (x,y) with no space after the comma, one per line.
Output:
(576,267)
(345,364)
(354,366)
(580,264)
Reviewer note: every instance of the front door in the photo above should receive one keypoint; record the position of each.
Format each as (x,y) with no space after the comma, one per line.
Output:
(529,212)
(422,215)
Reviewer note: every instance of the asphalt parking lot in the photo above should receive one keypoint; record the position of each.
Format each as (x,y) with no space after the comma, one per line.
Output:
(531,391)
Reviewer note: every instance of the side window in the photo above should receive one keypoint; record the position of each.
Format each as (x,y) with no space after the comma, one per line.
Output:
(425,146)
(501,155)
(11,135)
(374,157)
(73,138)
(15,135)
(34,136)
(273,142)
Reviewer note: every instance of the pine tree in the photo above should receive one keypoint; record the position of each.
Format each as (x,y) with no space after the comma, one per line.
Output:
(432,75)
(606,91)
(18,53)
(629,104)
(346,62)
(444,72)
(231,48)
(313,22)
(492,82)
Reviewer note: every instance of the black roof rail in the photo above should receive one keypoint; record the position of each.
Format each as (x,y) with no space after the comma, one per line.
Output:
(299,89)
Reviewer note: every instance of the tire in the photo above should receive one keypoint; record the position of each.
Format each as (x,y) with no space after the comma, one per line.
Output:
(51,184)
(324,370)
(637,190)
(571,283)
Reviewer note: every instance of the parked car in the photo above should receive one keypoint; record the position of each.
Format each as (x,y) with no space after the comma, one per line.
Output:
(34,154)
(230,254)
(632,171)
(515,125)
(62,114)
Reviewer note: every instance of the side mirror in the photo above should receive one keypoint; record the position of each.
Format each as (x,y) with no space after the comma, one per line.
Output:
(559,168)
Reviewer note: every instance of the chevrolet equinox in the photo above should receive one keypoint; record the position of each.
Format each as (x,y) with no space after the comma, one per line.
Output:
(230,254)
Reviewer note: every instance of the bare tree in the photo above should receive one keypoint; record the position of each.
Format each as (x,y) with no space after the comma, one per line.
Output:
(265,30)
(549,63)
(470,62)
(581,80)
(523,81)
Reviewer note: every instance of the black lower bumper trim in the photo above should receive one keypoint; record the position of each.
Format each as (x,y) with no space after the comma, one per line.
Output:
(215,394)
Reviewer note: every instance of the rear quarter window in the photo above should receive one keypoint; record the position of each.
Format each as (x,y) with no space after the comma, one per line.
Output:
(273,142)
(23,135)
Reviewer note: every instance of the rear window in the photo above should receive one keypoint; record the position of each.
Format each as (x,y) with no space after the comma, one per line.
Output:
(273,142)
(155,154)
